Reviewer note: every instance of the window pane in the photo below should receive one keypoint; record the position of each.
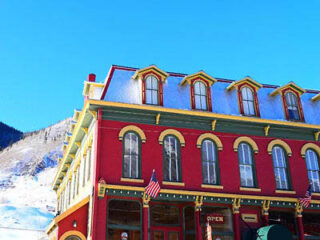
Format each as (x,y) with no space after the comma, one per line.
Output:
(313,170)
(131,156)
(209,162)
(124,213)
(171,159)
(200,93)
(245,165)
(152,90)
(164,214)
(292,105)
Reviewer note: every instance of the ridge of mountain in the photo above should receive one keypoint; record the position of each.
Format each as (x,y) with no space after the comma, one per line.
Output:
(27,168)
(8,135)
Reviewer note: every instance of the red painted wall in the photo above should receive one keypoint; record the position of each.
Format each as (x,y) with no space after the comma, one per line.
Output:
(81,216)
(151,158)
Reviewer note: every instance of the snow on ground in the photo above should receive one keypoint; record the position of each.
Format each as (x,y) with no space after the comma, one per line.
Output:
(27,169)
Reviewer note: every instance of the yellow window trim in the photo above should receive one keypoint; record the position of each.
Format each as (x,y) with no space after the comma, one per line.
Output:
(152,69)
(247,140)
(201,75)
(132,128)
(171,132)
(211,186)
(291,86)
(211,136)
(72,233)
(316,97)
(247,80)
(250,189)
(173,183)
(311,146)
(136,180)
(285,192)
(280,143)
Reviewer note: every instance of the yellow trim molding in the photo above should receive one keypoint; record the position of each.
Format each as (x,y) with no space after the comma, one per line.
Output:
(307,146)
(211,186)
(247,80)
(132,128)
(135,180)
(172,132)
(290,85)
(247,140)
(209,194)
(152,69)
(250,189)
(316,97)
(280,143)
(173,183)
(316,194)
(285,192)
(201,75)
(212,137)
(316,136)
(72,233)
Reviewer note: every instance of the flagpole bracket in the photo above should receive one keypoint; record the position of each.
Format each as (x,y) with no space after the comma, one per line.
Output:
(146,199)
(299,209)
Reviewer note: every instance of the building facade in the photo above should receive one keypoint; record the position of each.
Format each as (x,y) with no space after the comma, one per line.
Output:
(238,152)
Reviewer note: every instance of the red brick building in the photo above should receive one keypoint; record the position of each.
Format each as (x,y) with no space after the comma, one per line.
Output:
(240,151)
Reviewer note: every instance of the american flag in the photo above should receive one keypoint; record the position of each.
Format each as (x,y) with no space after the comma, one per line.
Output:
(306,200)
(153,187)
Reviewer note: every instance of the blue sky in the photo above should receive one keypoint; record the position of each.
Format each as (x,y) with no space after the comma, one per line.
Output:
(47,48)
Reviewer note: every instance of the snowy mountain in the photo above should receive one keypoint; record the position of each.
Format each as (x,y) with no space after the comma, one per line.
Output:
(27,169)
(8,135)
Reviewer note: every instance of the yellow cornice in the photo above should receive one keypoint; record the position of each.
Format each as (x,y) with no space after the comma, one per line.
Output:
(208,194)
(204,114)
(316,97)
(247,80)
(151,69)
(290,85)
(201,75)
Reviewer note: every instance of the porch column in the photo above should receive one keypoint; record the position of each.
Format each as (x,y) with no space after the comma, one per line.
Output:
(236,220)
(299,210)
(265,212)
(198,204)
(146,200)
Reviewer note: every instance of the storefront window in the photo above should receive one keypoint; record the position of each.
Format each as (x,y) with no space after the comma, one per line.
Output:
(287,219)
(189,223)
(223,230)
(311,225)
(124,216)
(165,215)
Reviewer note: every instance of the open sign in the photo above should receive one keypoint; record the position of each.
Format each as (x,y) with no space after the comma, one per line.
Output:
(215,218)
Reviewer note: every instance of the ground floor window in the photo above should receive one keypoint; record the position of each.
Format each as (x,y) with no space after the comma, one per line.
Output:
(189,223)
(285,218)
(311,225)
(124,216)
(223,230)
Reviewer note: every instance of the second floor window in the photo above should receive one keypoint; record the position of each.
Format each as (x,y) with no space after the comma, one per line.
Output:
(131,156)
(292,107)
(171,158)
(209,162)
(248,102)
(280,166)
(246,165)
(152,90)
(312,161)
(200,96)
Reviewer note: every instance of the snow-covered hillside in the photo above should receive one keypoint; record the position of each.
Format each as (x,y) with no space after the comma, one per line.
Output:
(27,169)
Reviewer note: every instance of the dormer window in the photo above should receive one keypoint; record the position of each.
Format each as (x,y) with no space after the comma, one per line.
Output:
(291,94)
(200,90)
(247,96)
(292,106)
(248,102)
(152,90)
(200,96)
(152,79)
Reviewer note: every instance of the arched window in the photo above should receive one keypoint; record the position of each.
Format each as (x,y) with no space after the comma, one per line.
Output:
(152,90)
(171,159)
(312,161)
(248,102)
(209,162)
(200,96)
(280,166)
(131,155)
(246,165)
(292,106)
